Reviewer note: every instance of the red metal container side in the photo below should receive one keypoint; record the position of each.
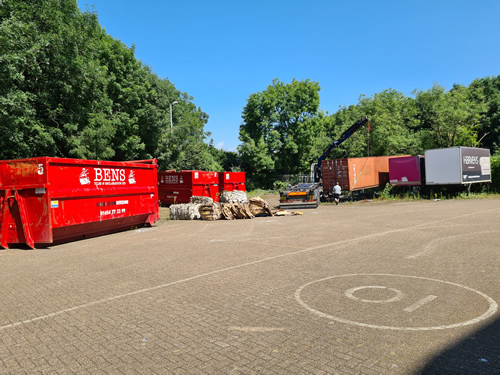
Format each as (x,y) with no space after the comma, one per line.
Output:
(47,200)
(179,187)
(356,173)
(231,181)
(406,171)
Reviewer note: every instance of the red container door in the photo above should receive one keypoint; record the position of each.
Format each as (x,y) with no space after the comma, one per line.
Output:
(24,218)
(334,171)
(214,192)
(24,202)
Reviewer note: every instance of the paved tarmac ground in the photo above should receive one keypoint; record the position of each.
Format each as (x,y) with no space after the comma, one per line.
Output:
(364,288)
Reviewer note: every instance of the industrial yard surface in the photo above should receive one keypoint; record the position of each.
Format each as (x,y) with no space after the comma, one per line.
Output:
(364,288)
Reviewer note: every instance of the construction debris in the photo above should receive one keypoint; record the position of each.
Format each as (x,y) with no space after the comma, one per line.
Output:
(226,211)
(231,211)
(235,196)
(235,205)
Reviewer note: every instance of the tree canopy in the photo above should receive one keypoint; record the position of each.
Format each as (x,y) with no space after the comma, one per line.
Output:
(280,127)
(68,89)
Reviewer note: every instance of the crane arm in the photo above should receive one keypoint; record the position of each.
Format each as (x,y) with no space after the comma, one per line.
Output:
(352,129)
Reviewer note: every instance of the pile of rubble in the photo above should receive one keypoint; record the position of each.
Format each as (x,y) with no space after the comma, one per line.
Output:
(233,205)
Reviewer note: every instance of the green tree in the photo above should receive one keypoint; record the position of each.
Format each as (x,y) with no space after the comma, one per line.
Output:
(393,122)
(453,118)
(489,131)
(184,146)
(230,161)
(42,70)
(279,128)
(68,89)
(495,172)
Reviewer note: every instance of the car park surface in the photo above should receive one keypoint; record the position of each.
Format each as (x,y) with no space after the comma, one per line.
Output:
(359,288)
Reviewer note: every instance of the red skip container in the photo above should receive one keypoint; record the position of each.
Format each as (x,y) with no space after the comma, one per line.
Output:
(49,200)
(231,181)
(179,187)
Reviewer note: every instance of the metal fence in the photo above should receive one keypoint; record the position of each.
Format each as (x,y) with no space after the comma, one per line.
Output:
(295,178)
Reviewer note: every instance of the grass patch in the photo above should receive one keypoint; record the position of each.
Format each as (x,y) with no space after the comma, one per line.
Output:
(260,192)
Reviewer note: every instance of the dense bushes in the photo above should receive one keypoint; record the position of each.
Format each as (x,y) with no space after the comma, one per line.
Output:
(495,173)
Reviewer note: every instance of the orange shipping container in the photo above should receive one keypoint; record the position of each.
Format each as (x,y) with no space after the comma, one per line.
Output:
(356,173)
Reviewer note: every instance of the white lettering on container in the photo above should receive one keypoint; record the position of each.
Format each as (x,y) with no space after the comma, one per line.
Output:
(471,160)
(109,175)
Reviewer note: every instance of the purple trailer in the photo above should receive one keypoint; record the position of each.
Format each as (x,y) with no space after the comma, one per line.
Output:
(407,171)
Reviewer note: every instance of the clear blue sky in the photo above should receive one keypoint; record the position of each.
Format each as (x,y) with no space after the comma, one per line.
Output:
(220,52)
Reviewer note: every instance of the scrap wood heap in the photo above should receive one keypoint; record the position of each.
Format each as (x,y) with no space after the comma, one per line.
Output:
(236,210)
(234,205)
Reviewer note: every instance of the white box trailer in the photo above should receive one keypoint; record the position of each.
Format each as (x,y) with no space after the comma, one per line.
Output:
(457,165)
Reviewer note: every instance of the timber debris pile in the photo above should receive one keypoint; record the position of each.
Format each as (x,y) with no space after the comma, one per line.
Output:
(233,205)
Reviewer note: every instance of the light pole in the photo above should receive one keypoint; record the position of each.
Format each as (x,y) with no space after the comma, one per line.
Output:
(171,104)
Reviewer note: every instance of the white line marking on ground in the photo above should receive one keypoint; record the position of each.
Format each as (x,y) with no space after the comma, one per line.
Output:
(255,329)
(428,248)
(493,306)
(269,244)
(399,294)
(196,277)
(200,230)
(420,303)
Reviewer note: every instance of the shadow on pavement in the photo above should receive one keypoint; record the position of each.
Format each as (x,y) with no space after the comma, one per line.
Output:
(478,354)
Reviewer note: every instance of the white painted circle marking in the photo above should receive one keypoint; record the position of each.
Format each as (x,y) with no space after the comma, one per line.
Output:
(493,306)
(350,294)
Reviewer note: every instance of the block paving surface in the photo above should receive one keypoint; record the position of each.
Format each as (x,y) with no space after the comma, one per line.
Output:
(360,288)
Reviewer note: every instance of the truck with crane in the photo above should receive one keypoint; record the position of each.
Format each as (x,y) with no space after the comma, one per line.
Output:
(308,195)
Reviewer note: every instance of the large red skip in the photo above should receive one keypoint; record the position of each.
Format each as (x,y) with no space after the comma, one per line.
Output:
(47,200)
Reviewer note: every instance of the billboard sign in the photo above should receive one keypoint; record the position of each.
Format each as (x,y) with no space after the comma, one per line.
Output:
(476,165)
